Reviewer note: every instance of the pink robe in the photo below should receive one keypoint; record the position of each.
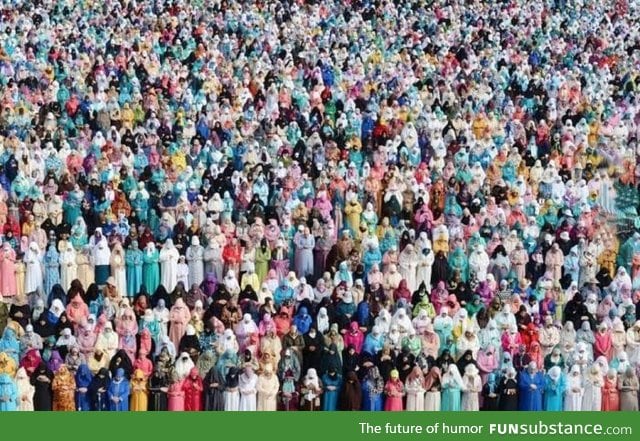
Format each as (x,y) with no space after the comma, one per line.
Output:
(394,391)
(8,285)
(511,342)
(354,337)
(178,318)
(175,397)
(603,346)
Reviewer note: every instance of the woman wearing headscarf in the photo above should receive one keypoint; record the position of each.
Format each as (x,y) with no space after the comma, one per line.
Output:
(192,386)
(414,386)
(168,258)
(150,267)
(41,379)
(311,390)
(231,392)
(34,278)
(99,400)
(117,263)
(25,391)
(610,392)
(490,393)
(51,263)
(175,394)
(432,386)
(133,263)
(266,387)
(531,385)
(8,394)
(139,391)
(603,342)
(120,360)
(178,319)
(118,392)
(63,387)
(628,387)
(247,384)
(574,390)
(84,377)
(351,393)
(592,388)
(372,389)
(452,386)
(394,392)
(158,388)
(472,388)
(508,391)
(195,261)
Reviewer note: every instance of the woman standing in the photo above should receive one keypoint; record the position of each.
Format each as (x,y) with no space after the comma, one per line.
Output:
(168,258)
(41,380)
(432,384)
(68,266)
(394,390)
(83,381)
(150,268)
(332,382)
(310,391)
(117,262)
(267,387)
(610,393)
(133,263)
(214,390)
(64,387)
(508,391)
(231,392)
(248,383)
(118,392)
(452,386)
(575,390)
(139,391)
(158,388)
(628,387)
(351,393)
(372,388)
(8,285)
(592,397)
(472,388)
(25,391)
(554,390)
(192,387)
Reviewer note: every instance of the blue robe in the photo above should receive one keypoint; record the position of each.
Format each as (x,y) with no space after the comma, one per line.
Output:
(371,257)
(451,398)
(282,294)
(370,402)
(151,271)
(133,260)
(10,345)
(372,344)
(8,389)
(83,379)
(121,390)
(554,394)
(330,397)
(51,268)
(303,320)
(530,399)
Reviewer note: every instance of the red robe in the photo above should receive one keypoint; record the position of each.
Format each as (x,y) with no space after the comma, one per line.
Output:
(610,395)
(192,388)
(603,345)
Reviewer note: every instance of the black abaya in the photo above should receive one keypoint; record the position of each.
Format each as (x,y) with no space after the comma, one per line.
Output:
(41,379)
(213,391)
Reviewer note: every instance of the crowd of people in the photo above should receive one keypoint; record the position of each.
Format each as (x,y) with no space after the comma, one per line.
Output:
(302,205)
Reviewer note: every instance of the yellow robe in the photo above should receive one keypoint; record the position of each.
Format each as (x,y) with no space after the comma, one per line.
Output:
(139,394)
